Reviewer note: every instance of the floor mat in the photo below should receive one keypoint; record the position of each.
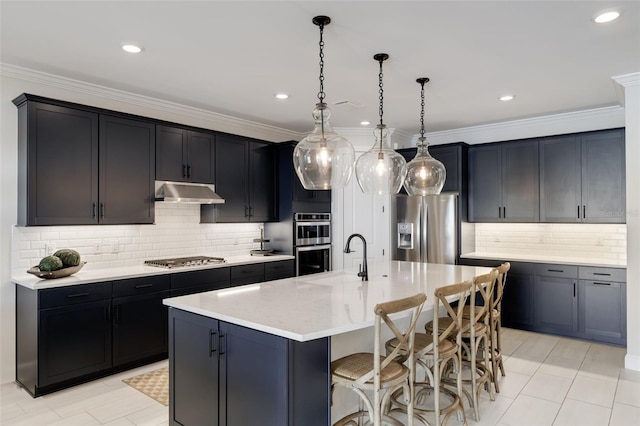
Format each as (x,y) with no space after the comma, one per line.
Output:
(154,384)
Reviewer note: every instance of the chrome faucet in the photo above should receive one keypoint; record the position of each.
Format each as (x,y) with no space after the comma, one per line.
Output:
(362,272)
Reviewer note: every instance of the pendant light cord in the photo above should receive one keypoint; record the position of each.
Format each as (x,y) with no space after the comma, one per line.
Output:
(321,78)
(422,110)
(381,97)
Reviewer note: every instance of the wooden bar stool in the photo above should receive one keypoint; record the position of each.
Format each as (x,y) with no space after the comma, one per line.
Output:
(495,324)
(381,375)
(475,341)
(438,353)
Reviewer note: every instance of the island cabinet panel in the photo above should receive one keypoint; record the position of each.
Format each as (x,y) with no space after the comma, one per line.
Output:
(582,177)
(184,155)
(503,182)
(139,319)
(127,171)
(245,178)
(224,374)
(58,165)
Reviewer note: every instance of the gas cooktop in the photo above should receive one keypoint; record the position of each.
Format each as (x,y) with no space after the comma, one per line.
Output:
(178,262)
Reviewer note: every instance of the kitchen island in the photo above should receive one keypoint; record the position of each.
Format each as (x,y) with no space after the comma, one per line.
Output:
(261,354)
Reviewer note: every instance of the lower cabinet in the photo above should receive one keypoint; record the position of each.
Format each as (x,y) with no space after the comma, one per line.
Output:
(224,374)
(575,301)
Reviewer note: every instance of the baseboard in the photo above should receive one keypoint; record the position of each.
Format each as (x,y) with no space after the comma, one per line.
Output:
(632,362)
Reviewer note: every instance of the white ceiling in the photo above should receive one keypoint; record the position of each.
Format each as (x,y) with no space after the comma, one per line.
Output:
(232,57)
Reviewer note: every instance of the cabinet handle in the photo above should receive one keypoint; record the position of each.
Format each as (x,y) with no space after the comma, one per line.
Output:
(499,213)
(93,210)
(101,210)
(144,286)
(555,270)
(246,211)
(504,212)
(574,289)
(221,348)
(603,274)
(212,343)
(578,212)
(188,171)
(597,283)
(71,296)
(584,212)
(184,170)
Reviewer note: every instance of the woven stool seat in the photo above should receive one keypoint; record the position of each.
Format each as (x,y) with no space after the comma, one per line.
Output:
(355,366)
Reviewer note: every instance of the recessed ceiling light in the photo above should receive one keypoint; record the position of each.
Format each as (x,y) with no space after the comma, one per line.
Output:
(506,97)
(131,48)
(282,95)
(606,16)
(364,123)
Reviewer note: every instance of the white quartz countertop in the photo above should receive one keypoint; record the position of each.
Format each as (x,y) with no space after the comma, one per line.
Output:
(540,258)
(326,304)
(87,276)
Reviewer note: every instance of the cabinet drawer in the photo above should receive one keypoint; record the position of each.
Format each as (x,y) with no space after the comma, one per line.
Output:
(241,272)
(602,274)
(557,271)
(142,285)
(279,268)
(196,278)
(72,295)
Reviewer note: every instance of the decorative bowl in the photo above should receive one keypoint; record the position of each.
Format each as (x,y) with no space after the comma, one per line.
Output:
(59,273)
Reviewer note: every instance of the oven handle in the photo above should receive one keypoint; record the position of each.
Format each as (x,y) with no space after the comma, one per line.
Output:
(313,248)
(312,223)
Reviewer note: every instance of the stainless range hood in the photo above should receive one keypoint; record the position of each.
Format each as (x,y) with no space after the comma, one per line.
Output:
(184,192)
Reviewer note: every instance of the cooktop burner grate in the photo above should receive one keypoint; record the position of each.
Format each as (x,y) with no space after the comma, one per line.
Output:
(178,262)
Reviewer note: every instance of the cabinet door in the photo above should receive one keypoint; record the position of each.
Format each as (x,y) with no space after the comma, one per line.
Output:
(243,378)
(127,171)
(485,183)
(520,196)
(262,194)
(193,369)
(200,157)
(139,327)
(450,157)
(560,179)
(73,341)
(517,301)
(602,311)
(232,179)
(171,146)
(603,177)
(556,304)
(61,173)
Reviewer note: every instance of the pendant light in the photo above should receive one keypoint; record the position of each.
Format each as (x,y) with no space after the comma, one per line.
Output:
(324,159)
(381,170)
(425,174)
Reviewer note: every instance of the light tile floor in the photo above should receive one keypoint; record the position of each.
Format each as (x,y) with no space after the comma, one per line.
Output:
(550,381)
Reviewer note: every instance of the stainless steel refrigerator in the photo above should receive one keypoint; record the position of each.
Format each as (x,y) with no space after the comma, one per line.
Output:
(425,228)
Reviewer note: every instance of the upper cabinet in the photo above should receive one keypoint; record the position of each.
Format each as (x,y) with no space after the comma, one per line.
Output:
(79,167)
(503,182)
(184,155)
(245,178)
(582,177)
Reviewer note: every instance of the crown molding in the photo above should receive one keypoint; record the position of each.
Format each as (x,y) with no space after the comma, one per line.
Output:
(624,81)
(215,121)
(568,122)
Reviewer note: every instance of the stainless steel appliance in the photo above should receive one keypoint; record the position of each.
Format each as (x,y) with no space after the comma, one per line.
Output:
(425,228)
(178,262)
(312,229)
(312,242)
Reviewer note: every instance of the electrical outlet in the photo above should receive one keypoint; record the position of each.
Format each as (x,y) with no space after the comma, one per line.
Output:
(115,247)
(49,248)
(97,248)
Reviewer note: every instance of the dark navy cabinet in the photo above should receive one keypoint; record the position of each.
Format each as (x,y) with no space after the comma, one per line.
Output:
(224,374)
(582,177)
(556,298)
(184,155)
(503,182)
(602,308)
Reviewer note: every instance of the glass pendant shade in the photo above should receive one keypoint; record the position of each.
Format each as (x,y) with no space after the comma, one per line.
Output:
(381,170)
(324,159)
(425,174)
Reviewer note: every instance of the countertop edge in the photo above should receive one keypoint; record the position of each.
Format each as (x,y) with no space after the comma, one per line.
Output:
(107,274)
(538,259)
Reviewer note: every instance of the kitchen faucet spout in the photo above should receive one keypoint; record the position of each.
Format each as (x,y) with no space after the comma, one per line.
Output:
(364,273)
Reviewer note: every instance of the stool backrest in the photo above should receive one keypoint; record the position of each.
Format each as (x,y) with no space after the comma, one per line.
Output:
(499,288)
(484,285)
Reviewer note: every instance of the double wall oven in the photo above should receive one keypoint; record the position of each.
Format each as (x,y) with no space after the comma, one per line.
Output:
(312,242)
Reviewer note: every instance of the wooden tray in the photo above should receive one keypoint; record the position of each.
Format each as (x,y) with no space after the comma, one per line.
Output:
(60,273)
